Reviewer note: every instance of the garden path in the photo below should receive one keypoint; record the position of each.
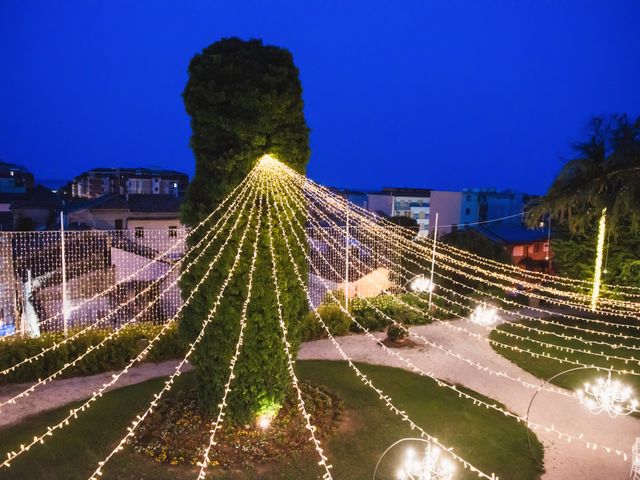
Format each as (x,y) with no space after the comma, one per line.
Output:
(61,392)
(563,460)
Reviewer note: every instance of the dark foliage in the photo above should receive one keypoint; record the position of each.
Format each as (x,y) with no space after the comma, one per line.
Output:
(114,355)
(245,100)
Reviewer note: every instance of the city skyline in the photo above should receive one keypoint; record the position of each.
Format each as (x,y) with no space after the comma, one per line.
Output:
(501,96)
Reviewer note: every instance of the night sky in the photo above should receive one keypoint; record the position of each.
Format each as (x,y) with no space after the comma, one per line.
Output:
(424,93)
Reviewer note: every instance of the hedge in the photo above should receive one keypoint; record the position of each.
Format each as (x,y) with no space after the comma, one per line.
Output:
(113,355)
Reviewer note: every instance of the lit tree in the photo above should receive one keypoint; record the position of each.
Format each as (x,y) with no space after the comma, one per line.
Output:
(601,186)
(245,100)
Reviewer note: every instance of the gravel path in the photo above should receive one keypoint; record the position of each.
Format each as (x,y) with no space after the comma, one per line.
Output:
(563,460)
(61,392)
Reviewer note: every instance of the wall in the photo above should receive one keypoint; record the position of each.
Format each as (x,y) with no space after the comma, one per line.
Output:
(447,205)
(380,203)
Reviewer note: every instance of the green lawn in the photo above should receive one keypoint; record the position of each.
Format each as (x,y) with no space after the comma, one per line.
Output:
(546,368)
(489,440)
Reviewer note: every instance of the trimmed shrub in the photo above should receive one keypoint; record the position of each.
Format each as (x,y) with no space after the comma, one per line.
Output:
(396,333)
(113,355)
(337,321)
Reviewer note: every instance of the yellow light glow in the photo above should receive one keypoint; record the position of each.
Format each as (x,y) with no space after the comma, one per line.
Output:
(597,274)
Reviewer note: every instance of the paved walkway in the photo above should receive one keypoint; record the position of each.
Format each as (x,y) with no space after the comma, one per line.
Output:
(563,460)
(61,392)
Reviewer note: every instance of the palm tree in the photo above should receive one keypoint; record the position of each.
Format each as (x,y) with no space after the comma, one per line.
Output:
(601,185)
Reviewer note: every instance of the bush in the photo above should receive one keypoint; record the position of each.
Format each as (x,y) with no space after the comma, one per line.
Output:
(113,355)
(396,333)
(336,320)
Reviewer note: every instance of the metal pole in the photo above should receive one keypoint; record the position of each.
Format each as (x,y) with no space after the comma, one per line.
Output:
(64,275)
(346,261)
(433,258)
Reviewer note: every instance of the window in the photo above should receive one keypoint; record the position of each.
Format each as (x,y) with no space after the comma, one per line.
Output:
(545,247)
(173,231)
(537,247)
(467,211)
(468,198)
(139,232)
(118,224)
(518,251)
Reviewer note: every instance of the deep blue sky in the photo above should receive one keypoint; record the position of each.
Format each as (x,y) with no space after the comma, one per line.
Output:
(423,93)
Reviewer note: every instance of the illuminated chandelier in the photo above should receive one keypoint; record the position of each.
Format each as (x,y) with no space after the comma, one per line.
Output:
(484,315)
(429,467)
(609,396)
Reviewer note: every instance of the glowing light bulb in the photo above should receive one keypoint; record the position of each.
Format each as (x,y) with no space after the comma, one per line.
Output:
(606,395)
(484,315)
(264,421)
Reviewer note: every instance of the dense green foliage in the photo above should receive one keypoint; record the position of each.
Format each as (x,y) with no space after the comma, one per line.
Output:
(604,174)
(474,242)
(245,100)
(486,438)
(573,255)
(113,355)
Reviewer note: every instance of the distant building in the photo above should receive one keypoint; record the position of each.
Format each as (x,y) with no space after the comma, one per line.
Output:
(15,179)
(137,212)
(447,205)
(523,244)
(481,205)
(147,181)
(407,202)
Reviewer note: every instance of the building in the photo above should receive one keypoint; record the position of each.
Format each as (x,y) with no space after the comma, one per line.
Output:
(148,181)
(447,205)
(405,202)
(137,212)
(528,248)
(481,205)
(15,179)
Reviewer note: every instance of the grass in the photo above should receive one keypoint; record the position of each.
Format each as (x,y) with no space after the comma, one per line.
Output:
(545,368)
(489,440)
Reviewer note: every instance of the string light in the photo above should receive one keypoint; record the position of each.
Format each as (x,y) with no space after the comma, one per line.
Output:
(597,275)
(86,253)
(420,284)
(333,199)
(114,333)
(204,463)
(440,383)
(290,361)
(73,413)
(127,320)
(362,377)
(414,368)
(178,370)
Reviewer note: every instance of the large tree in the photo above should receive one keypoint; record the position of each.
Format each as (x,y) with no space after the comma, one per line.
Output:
(604,176)
(245,100)
(601,186)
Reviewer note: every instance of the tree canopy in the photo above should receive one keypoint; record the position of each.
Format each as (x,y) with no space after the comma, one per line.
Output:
(604,174)
(245,100)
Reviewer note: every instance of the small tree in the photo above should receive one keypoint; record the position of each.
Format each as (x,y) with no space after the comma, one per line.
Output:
(245,100)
